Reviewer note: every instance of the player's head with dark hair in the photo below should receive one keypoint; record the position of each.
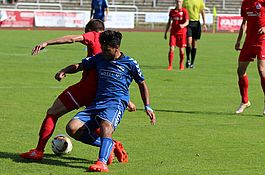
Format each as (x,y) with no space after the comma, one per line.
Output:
(95,25)
(110,38)
(110,44)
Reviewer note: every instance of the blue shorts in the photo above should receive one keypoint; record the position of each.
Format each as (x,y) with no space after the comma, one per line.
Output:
(92,117)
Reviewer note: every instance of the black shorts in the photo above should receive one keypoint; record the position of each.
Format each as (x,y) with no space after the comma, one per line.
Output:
(194,29)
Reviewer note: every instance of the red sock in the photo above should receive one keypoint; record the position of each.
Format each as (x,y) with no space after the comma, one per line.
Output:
(181,56)
(262,82)
(170,58)
(46,131)
(97,132)
(243,87)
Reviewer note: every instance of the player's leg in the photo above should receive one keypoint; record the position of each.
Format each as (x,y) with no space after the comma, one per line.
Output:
(196,35)
(189,43)
(172,44)
(54,112)
(261,68)
(243,85)
(57,110)
(106,147)
(181,58)
(193,52)
(82,128)
(109,119)
(181,43)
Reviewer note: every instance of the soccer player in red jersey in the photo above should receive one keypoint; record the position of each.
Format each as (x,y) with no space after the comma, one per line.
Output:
(253,13)
(75,96)
(178,19)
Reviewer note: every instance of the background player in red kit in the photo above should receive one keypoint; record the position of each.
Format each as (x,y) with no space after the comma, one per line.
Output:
(180,19)
(253,13)
(75,96)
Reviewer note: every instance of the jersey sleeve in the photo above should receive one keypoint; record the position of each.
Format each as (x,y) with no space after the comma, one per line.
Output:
(136,72)
(202,6)
(88,37)
(88,63)
(106,4)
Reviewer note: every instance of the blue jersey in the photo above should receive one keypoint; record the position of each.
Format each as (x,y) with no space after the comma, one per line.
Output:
(99,6)
(114,79)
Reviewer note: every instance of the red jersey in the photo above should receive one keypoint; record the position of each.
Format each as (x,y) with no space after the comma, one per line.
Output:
(178,17)
(91,40)
(254,12)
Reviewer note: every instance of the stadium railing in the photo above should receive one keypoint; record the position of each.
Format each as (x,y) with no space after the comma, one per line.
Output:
(38,5)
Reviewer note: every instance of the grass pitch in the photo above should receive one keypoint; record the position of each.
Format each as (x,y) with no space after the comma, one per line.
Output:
(196,132)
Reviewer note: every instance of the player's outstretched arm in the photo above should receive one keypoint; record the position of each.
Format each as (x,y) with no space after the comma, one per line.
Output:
(145,98)
(63,40)
(68,70)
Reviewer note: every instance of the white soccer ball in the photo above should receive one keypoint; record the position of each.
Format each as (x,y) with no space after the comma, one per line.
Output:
(61,144)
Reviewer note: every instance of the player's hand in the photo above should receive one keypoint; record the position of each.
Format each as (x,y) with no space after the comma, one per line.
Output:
(152,116)
(60,75)
(181,26)
(261,30)
(149,111)
(131,107)
(204,28)
(165,36)
(237,46)
(38,48)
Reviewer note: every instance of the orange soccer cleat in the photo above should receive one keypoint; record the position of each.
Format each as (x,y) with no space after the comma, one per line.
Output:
(98,167)
(181,67)
(119,152)
(169,68)
(32,154)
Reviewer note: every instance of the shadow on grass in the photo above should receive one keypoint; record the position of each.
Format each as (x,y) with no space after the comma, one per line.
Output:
(50,159)
(205,113)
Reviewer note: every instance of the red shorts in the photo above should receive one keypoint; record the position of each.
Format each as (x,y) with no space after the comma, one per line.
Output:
(179,40)
(81,93)
(250,51)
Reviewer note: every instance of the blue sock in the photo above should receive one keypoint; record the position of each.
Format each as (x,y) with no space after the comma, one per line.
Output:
(105,149)
(91,139)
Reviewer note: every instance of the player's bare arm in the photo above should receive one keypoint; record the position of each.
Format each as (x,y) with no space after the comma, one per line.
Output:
(63,40)
(167,28)
(242,30)
(71,69)
(145,98)
(204,26)
(106,14)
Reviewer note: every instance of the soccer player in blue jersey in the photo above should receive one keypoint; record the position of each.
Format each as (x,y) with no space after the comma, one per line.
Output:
(115,73)
(99,9)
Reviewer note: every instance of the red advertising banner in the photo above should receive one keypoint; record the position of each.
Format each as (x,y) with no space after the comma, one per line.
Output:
(18,19)
(229,23)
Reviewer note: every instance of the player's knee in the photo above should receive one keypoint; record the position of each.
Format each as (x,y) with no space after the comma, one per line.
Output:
(106,129)
(74,129)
